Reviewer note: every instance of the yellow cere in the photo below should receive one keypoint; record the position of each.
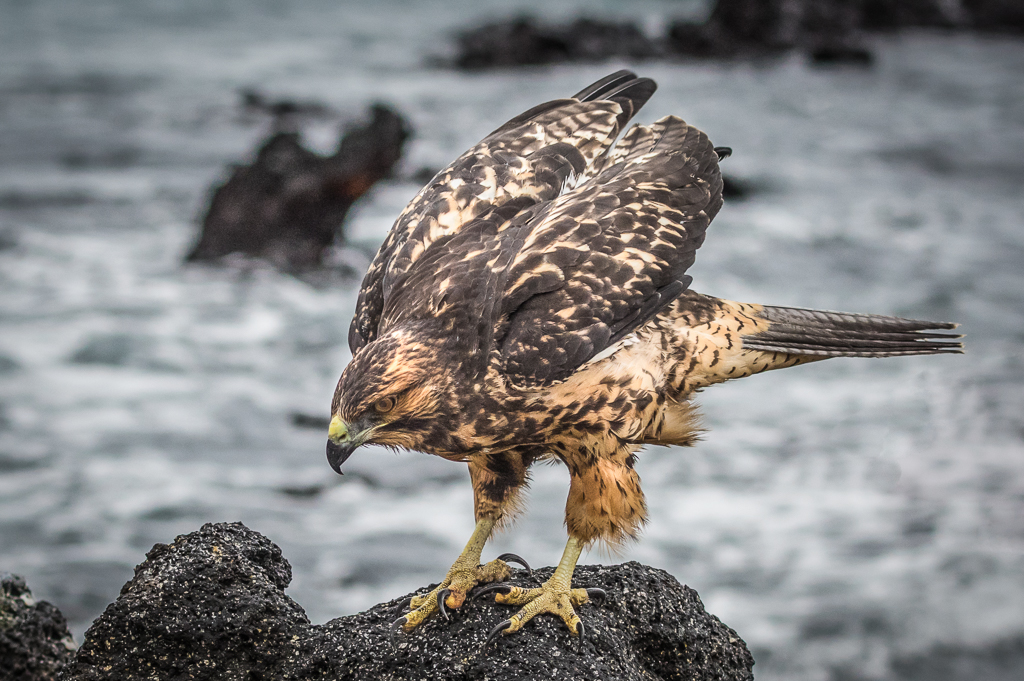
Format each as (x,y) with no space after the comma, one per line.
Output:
(338,431)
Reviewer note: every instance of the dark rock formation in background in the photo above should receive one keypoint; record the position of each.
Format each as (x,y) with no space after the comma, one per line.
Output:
(829,31)
(997,16)
(755,28)
(289,205)
(34,638)
(254,101)
(212,606)
(524,40)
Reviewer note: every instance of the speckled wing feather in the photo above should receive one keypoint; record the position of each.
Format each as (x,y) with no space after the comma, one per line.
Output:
(456,287)
(527,161)
(720,340)
(603,259)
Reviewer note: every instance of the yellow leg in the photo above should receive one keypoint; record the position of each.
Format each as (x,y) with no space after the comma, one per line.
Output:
(556,596)
(463,575)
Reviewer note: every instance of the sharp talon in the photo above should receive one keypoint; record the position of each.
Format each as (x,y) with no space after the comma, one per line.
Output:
(723,152)
(441,596)
(513,558)
(505,589)
(598,595)
(580,630)
(496,631)
(396,629)
(407,603)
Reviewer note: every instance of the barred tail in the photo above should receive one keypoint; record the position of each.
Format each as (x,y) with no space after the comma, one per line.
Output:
(820,333)
(720,340)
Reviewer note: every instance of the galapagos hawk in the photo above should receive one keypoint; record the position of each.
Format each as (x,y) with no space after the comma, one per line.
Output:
(532,303)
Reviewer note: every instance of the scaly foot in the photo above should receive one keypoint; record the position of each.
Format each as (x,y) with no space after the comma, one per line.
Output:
(451,592)
(552,597)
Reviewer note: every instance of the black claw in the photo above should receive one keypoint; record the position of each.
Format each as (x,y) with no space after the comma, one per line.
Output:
(503,588)
(496,631)
(581,631)
(407,603)
(396,629)
(511,557)
(598,595)
(723,152)
(441,596)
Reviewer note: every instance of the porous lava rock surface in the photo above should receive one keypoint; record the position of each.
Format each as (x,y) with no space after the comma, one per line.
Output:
(212,606)
(34,638)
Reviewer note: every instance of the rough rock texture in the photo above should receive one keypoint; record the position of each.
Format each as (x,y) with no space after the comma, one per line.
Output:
(34,638)
(289,205)
(212,606)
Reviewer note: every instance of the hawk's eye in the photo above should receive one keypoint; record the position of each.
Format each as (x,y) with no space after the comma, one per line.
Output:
(384,405)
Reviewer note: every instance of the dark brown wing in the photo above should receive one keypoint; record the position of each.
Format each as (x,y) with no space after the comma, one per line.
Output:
(524,162)
(603,259)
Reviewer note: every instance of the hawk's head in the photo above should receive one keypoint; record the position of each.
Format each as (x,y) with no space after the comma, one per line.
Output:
(395,392)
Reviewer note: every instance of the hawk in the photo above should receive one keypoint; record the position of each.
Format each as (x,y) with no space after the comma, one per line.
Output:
(532,303)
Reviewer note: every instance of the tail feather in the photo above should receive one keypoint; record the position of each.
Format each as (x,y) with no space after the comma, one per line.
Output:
(822,333)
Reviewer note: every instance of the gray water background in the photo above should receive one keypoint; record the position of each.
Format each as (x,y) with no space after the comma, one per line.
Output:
(851,520)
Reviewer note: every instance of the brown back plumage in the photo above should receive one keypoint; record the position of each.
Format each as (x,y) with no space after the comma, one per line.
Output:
(604,258)
(525,162)
(501,259)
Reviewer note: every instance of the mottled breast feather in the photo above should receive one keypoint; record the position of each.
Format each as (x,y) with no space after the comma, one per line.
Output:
(527,161)
(601,260)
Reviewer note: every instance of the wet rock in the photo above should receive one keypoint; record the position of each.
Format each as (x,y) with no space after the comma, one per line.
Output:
(887,15)
(525,41)
(311,421)
(838,53)
(34,638)
(998,16)
(212,605)
(829,31)
(753,28)
(737,189)
(290,204)
(254,101)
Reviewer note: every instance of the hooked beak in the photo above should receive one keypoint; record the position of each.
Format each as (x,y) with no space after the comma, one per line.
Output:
(341,443)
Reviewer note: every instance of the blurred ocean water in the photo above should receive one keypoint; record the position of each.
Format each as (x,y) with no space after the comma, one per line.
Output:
(850,519)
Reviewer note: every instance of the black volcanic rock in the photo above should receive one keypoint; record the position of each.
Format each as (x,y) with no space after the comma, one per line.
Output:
(753,28)
(289,205)
(997,16)
(212,606)
(34,638)
(525,41)
(830,31)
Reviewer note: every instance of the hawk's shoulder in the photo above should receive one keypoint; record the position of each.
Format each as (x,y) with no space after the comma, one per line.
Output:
(525,162)
(602,260)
